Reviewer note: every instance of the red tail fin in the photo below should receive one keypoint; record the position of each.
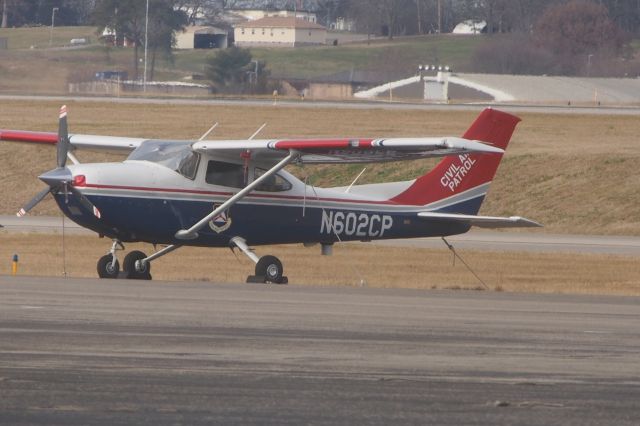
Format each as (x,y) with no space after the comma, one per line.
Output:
(462,173)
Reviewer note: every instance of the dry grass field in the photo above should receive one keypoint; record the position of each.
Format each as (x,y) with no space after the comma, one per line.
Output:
(574,173)
(350,265)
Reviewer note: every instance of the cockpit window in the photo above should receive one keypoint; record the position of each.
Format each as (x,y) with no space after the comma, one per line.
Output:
(175,155)
(225,174)
(274,183)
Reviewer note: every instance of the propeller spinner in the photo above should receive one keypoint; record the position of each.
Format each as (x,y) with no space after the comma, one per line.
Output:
(60,178)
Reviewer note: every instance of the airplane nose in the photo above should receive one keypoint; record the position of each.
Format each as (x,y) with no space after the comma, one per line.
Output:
(56,177)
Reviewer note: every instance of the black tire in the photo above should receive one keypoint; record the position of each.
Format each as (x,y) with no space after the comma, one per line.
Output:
(270,268)
(130,269)
(105,269)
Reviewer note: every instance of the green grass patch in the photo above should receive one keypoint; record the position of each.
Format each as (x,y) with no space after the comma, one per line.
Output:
(398,55)
(44,37)
(403,54)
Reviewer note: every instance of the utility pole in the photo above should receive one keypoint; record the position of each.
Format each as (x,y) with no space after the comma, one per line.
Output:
(4,15)
(146,45)
(439,16)
(53,20)
(419,17)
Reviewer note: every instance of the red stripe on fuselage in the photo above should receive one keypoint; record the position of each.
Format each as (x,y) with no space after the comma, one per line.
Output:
(228,194)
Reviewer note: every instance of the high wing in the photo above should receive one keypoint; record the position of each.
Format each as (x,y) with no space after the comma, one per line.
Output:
(482,221)
(314,151)
(92,142)
(311,151)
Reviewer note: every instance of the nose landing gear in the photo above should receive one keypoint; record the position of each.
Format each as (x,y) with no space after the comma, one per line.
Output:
(108,265)
(134,266)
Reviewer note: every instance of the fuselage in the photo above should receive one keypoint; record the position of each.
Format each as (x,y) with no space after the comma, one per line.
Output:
(149,201)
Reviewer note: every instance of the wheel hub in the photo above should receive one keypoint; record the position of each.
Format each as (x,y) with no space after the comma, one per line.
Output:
(272,270)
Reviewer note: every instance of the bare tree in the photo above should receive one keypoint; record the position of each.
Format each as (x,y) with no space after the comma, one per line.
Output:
(381,16)
(577,27)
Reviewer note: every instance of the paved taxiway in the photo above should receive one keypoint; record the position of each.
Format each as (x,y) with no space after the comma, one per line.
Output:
(514,108)
(124,352)
(473,240)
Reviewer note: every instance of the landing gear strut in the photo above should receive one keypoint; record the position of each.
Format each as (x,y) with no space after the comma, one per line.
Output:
(108,266)
(268,268)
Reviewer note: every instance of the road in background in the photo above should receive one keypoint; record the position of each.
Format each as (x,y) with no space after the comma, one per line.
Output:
(514,108)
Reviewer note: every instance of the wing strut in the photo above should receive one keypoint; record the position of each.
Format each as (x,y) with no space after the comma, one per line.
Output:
(192,233)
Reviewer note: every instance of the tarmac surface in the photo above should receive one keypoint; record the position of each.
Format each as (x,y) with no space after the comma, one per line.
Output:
(86,351)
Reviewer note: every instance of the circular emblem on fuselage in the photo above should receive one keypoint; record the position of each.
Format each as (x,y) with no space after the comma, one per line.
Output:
(222,222)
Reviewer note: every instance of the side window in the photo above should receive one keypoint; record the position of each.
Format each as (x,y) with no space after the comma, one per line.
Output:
(274,183)
(189,166)
(225,174)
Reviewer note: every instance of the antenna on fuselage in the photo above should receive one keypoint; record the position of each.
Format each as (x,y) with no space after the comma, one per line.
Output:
(257,131)
(354,181)
(208,131)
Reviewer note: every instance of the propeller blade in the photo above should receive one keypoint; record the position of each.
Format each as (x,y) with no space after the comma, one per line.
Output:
(63,138)
(31,204)
(85,201)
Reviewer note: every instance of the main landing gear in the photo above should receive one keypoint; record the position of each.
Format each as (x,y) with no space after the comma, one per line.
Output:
(134,266)
(137,265)
(268,268)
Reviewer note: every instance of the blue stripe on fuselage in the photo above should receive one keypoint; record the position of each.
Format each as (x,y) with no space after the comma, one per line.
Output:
(156,221)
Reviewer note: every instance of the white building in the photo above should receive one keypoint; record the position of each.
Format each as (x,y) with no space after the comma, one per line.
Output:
(279,31)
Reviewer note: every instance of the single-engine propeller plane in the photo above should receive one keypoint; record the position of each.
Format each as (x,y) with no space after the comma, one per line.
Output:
(236,193)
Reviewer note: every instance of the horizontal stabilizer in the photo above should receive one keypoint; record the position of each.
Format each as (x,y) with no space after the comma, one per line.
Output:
(482,221)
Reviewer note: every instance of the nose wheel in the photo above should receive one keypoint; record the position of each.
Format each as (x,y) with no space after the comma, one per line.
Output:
(108,266)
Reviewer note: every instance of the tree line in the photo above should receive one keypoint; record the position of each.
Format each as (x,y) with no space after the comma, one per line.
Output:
(567,37)
(380,17)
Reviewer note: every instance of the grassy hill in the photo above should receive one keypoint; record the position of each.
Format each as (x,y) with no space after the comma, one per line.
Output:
(573,173)
(23,65)
(44,37)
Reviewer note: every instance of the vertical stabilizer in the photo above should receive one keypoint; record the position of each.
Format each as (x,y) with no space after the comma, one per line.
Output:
(459,183)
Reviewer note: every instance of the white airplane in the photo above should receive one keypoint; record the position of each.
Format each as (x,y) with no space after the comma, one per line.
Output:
(236,193)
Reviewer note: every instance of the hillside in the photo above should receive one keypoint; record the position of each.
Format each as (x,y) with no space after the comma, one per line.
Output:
(29,53)
(573,173)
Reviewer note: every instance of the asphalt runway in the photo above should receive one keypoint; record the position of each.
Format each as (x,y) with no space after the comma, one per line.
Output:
(473,240)
(124,352)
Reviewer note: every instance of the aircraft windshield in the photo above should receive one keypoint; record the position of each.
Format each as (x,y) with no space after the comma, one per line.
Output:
(177,156)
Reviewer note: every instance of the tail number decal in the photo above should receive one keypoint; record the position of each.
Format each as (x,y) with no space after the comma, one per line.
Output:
(358,224)
(456,173)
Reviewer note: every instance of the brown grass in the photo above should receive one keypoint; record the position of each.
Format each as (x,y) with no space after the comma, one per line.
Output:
(574,173)
(350,265)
